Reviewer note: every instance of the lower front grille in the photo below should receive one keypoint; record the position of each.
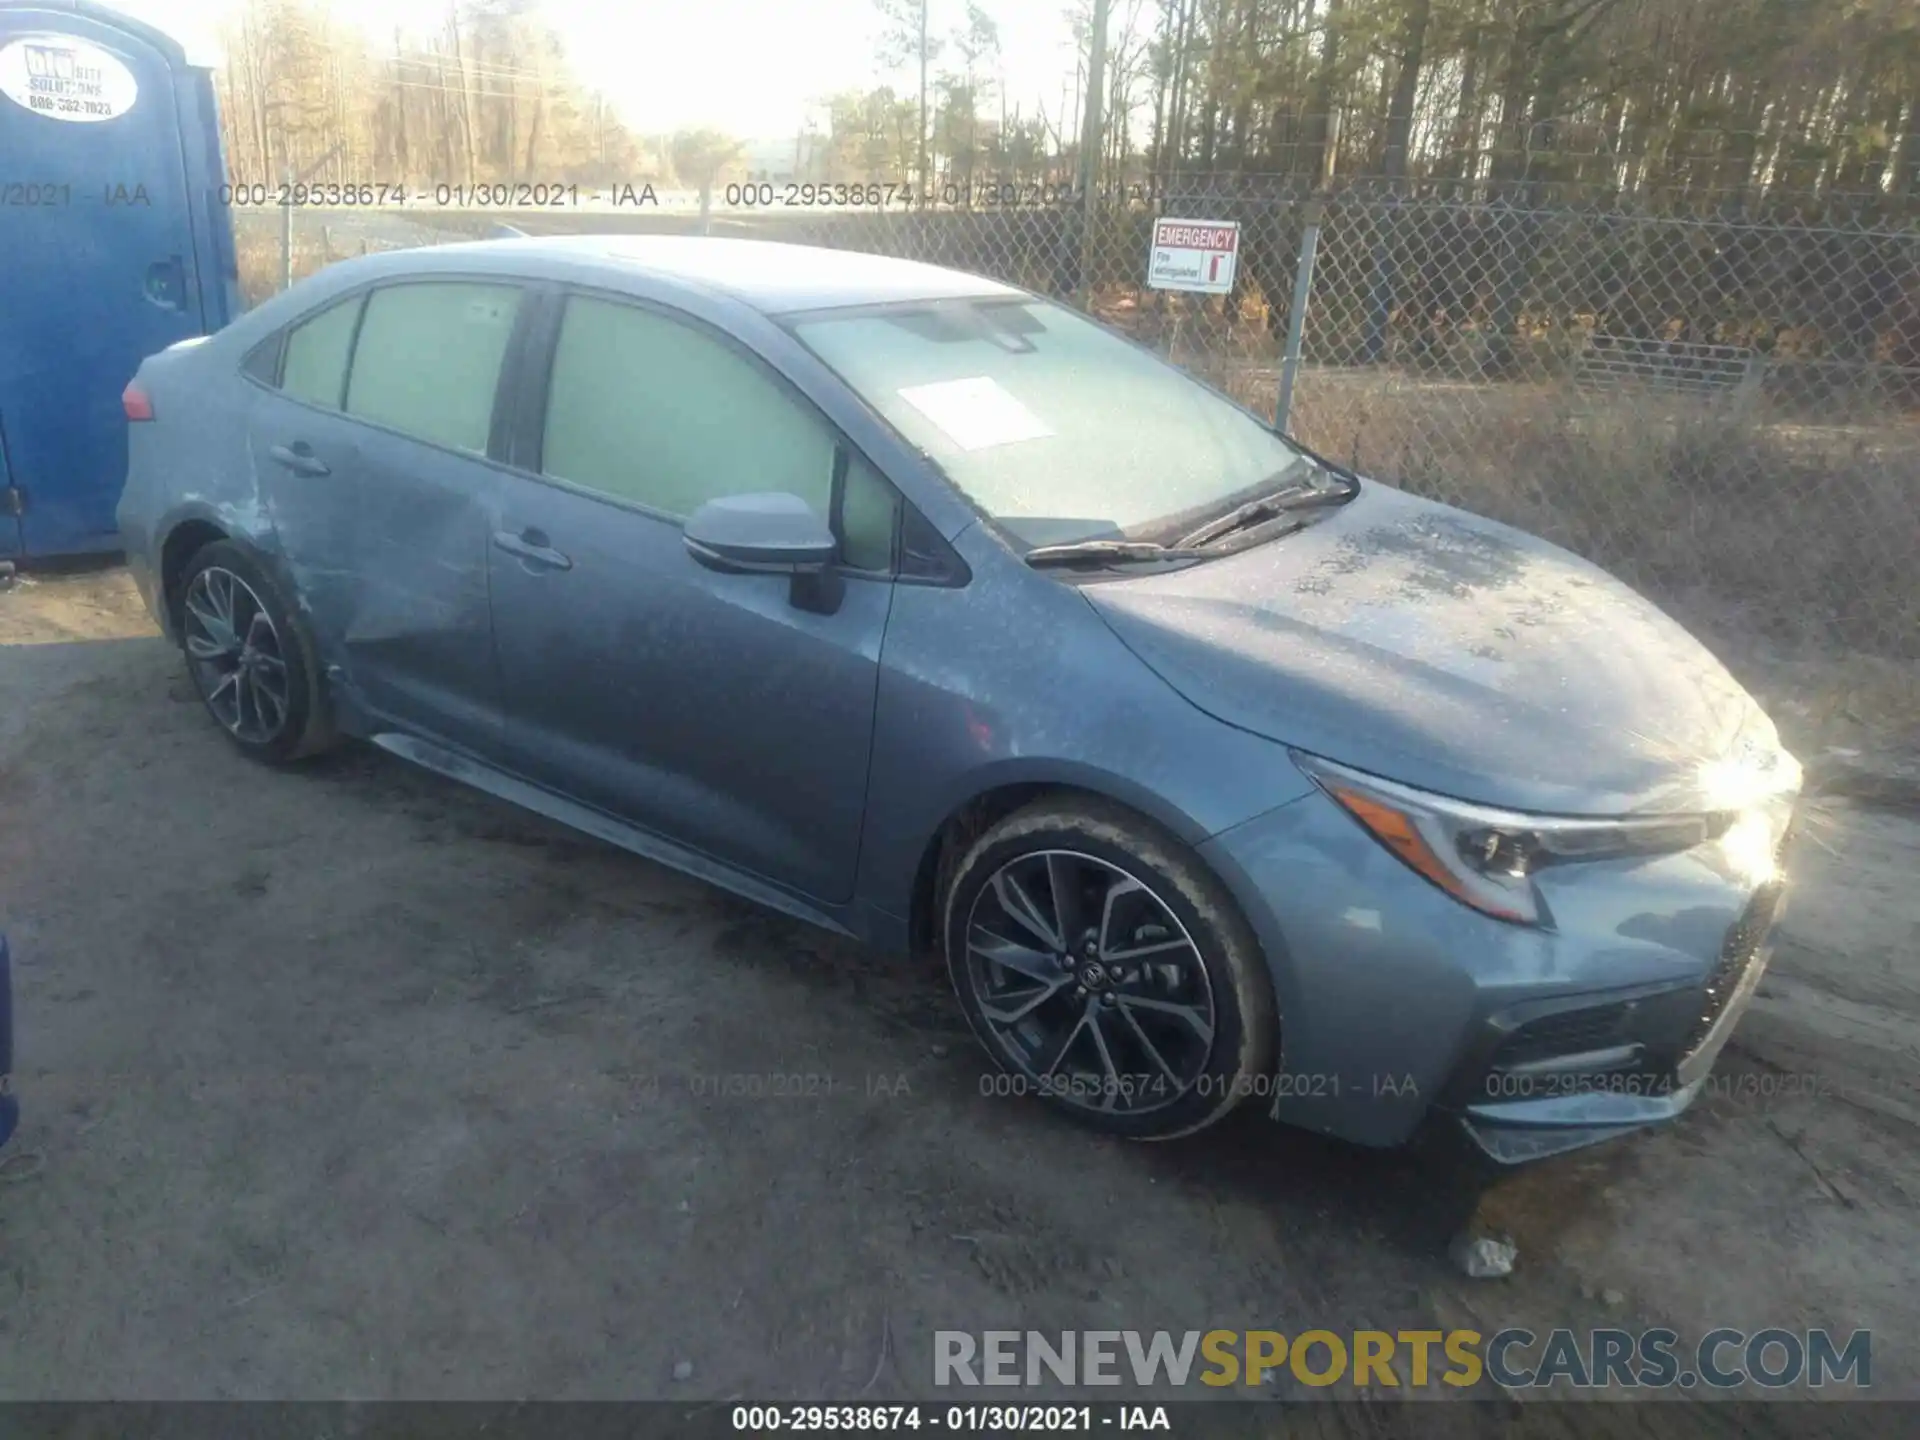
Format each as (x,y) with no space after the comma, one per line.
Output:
(1737,953)
(1570,1032)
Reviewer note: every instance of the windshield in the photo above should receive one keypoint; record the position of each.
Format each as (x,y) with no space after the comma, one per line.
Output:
(1055,427)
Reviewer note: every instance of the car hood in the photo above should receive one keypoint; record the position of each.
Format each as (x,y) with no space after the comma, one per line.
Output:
(1431,646)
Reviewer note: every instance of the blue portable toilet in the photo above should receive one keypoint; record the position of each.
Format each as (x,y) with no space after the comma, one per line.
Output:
(114,243)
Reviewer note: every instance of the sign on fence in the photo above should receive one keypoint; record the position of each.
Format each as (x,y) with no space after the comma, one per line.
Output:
(1193,255)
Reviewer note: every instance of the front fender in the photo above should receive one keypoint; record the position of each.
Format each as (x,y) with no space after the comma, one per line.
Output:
(962,713)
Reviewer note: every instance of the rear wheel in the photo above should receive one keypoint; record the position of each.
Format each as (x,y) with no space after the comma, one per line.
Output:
(1106,970)
(249,657)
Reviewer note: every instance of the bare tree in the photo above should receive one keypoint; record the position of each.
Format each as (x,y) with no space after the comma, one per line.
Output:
(698,158)
(904,38)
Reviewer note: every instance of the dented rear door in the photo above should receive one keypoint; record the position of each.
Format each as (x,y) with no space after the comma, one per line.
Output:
(381,506)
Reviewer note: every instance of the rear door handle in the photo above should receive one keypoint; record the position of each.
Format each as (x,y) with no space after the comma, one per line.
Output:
(532,547)
(299,458)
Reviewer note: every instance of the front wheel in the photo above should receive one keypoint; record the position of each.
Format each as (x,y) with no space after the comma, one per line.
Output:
(1106,970)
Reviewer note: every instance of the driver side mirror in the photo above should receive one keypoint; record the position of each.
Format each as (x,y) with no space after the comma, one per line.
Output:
(774,533)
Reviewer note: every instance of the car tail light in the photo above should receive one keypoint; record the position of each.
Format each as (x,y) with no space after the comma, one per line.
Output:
(135,402)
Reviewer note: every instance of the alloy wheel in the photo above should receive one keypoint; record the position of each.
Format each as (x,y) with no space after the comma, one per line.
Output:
(1089,984)
(236,655)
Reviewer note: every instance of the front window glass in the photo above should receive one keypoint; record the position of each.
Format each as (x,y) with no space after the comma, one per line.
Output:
(643,408)
(1055,427)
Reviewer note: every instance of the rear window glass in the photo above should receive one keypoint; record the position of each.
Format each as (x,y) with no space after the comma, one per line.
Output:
(428,360)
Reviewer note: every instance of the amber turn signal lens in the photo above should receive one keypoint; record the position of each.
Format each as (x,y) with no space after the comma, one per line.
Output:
(1397,831)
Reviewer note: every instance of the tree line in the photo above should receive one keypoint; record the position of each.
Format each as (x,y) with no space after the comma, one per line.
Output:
(1730,101)
(1724,98)
(486,97)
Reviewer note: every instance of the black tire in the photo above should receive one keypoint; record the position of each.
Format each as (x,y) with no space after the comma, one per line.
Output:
(1122,1028)
(266,695)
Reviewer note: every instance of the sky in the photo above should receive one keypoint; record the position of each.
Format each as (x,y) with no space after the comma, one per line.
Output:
(753,68)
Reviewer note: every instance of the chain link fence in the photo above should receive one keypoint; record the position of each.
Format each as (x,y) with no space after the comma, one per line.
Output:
(1725,411)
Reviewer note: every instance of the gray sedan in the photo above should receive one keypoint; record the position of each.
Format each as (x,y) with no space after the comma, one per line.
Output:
(931,612)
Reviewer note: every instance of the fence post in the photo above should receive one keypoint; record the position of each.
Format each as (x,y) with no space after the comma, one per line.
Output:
(1092,136)
(286,211)
(286,232)
(1381,297)
(1086,261)
(1753,381)
(1311,212)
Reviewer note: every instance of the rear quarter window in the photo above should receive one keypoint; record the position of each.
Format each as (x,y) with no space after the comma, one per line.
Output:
(263,361)
(315,368)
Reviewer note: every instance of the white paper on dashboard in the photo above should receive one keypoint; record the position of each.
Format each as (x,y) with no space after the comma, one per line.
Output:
(975,413)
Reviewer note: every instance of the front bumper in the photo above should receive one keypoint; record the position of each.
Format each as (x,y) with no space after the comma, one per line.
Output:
(146,581)
(1569,1073)
(1398,1002)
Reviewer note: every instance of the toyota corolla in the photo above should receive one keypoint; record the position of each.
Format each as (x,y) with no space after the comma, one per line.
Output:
(932,612)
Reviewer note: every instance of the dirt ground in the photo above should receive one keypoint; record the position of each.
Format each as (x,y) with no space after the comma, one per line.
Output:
(347,1082)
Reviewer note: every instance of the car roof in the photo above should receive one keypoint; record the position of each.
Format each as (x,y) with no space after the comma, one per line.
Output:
(772,277)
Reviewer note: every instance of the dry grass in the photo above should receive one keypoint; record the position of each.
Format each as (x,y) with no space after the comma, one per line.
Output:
(257,249)
(319,239)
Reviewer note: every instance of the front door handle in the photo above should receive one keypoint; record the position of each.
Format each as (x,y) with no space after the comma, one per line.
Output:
(532,547)
(299,458)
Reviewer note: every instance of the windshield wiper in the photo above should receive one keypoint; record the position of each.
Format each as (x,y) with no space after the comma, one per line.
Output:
(1266,507)
(1107,552)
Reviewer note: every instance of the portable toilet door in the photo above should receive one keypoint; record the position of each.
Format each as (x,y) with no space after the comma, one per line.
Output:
(114,243)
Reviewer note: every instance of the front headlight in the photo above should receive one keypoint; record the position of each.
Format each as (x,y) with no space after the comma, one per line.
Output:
(1485,857)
